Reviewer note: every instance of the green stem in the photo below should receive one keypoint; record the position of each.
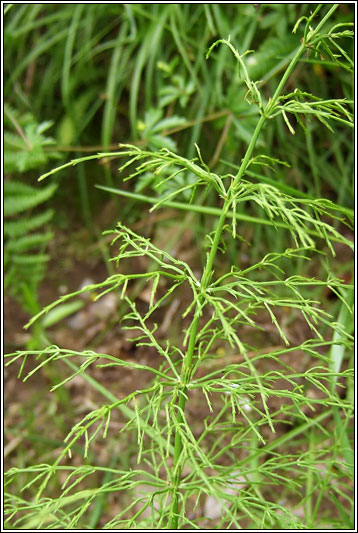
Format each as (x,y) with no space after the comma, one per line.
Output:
(186,368)
(207,273)
(249,151)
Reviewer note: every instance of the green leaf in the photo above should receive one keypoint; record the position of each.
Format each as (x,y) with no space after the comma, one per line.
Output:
(19,197)
(60,312)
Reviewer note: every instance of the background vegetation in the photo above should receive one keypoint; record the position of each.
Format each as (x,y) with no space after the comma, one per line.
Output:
(80,79)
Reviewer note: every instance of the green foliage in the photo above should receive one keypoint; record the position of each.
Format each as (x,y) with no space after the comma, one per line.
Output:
(232,459)
(25,149)
(177,88)
(25,241)
(106,67)
(153,126)
(20,197)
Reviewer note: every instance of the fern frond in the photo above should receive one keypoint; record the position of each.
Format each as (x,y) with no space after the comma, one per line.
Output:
(24,257)
(30,241)
(16,228)
(20,197)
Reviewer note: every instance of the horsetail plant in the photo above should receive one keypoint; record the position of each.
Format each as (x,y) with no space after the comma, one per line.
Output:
(231,461)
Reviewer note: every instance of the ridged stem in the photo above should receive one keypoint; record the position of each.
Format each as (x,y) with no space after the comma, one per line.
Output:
(208,270)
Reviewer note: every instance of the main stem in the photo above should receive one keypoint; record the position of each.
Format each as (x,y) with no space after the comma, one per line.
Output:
(187,363)
(208,271)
